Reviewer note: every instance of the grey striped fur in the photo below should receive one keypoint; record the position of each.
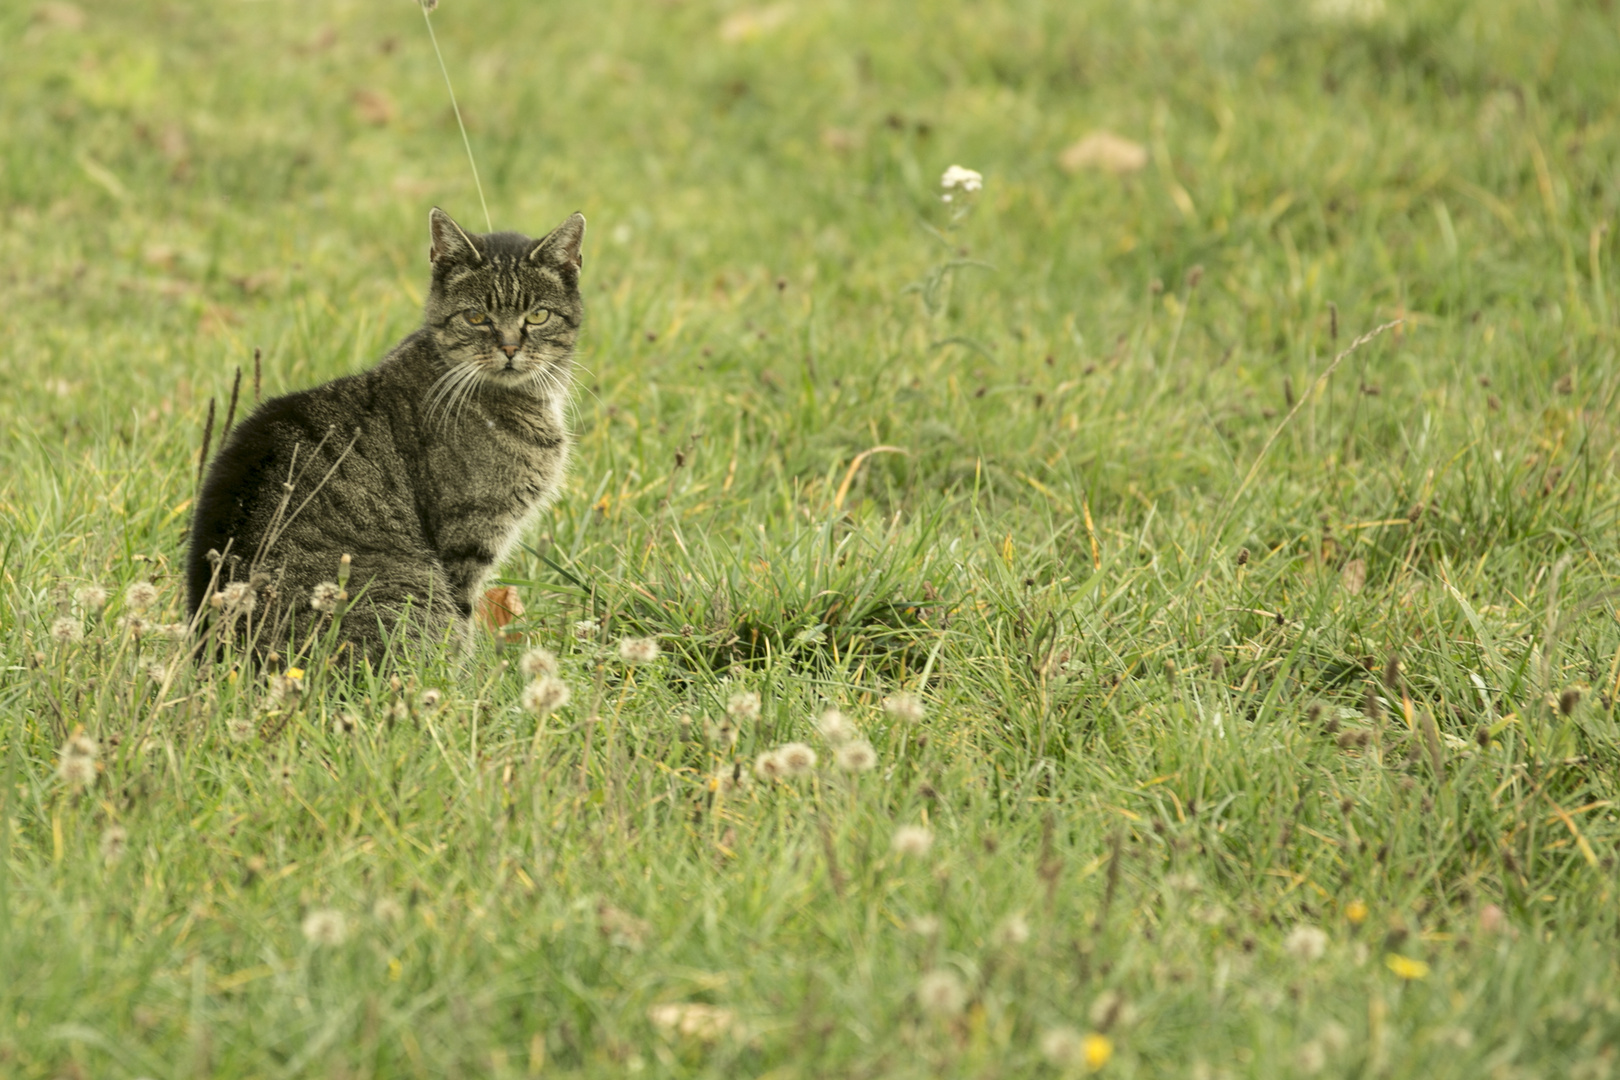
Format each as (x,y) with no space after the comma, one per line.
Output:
(425,469)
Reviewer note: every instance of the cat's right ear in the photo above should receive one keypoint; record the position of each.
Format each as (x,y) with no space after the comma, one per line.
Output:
(449,241)
(561,246)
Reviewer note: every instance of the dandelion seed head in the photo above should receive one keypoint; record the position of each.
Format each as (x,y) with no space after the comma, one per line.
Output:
(137,625)
(324,597)
(174,631)
(76,765)
(76,771)
(92,598)
(430,699)
(346,723)
(768,766)
(241,729)
(430,6)
(835,727)
(387,910)
(113,844)
(67,630)
(925,925)
(797,759)
(157,672)
(905,708)
(1311,1057)
(855,757)
(744,706)
(140,596)
(238,597)
(1063,1047)
(638,650)
(546,695)
(692,1020)
(285,689)
(1111,1008)
(1013,930)
(325,926)
(912,841)
(1306,943)
(941,993)
(538,662)
(81,745)
(587,629)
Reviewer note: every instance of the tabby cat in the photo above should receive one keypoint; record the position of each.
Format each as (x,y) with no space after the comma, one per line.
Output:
(423,469)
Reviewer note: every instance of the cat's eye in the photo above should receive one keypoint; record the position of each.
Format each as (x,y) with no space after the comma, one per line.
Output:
(537,316)
(476,317)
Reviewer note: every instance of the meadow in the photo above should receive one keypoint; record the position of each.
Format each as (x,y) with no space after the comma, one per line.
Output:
(1210,529)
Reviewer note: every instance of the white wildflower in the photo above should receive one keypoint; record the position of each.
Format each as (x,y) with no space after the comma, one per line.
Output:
(957,177)
(1111,1008)
(76,765)
(324,597)
(546,695)
(855,757)
(237,598)
(634,650)
(92,598)
(324,926)
(538,662)
(743,706)
(835,727)
(67,630)
(140,596)
(941,993)
(1014,930)
(113,843)
(1063,1047)
(912,840)
(906,708)
(768,766)
(925,925)
(797,759)
(587,629)
(1306,943)
(693,1020)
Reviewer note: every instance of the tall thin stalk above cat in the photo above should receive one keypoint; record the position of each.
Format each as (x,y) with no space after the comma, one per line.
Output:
(424,469)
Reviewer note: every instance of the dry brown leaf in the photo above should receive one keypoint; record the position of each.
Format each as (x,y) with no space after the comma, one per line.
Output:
(373,107)
(1105,151)
(499,606)
(1354,576)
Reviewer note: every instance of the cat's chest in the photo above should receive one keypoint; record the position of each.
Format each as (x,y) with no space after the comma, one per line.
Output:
(506,460)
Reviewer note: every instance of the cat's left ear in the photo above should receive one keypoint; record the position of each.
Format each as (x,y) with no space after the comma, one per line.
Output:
(561,245)
(450,241)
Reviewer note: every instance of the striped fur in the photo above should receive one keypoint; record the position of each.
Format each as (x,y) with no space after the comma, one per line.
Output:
(424,469)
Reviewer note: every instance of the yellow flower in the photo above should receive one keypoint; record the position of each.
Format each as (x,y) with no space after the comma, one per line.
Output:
(1356,912)
(295,673)
(1405,967)
(1097,1049)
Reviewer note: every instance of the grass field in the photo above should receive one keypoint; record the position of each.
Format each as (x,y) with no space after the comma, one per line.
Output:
(1267,706)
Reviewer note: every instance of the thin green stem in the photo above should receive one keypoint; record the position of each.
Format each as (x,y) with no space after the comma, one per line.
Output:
(489,224)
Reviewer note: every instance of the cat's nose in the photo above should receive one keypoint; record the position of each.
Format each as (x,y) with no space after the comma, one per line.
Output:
(509,350)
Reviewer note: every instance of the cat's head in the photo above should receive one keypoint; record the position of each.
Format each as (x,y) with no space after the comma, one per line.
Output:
(503,307)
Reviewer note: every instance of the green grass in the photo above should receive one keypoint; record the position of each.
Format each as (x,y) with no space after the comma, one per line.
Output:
(1146,682)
